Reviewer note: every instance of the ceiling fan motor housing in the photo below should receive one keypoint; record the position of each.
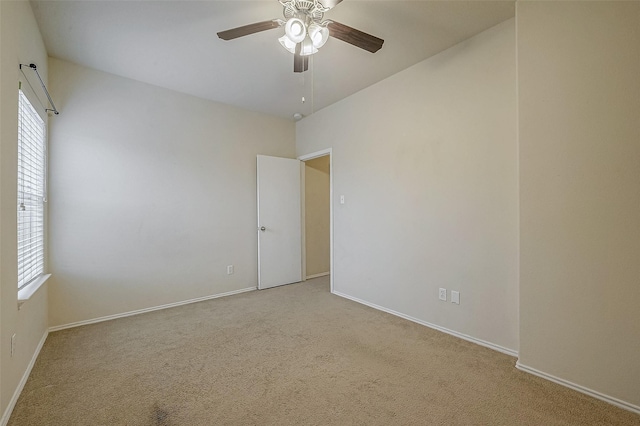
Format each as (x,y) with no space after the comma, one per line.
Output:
(307,10)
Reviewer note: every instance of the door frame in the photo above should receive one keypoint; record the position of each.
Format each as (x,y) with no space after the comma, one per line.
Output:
(304,158)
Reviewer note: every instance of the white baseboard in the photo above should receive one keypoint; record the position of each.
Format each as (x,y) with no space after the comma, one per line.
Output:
(611,400)
(145,310)
(606,398)
(322,274)
(471,339)
(23,381)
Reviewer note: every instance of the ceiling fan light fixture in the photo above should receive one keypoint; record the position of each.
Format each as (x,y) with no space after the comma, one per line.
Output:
(307,48)
(295,30)
(287,44)
(318,35)
(306,32)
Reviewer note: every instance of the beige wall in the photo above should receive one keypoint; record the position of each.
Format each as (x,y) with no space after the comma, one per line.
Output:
(20,42)
(152,194)
(317,215)
(579,109)
(427,162)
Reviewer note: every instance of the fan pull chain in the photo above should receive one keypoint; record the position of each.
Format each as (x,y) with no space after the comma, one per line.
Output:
(313,82)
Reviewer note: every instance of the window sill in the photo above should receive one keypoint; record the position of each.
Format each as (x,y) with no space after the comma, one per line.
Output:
(30,289)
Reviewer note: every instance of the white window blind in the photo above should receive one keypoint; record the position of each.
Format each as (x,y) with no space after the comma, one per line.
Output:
(31,192)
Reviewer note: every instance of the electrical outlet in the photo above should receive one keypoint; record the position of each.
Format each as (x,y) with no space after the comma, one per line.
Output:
(442,294)
(455,297)
(13,344)
(229,269)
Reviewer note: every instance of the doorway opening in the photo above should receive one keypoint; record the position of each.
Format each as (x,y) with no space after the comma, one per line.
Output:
(317,216)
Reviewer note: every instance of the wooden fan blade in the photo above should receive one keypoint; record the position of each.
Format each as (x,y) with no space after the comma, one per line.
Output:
(300,63)
(356,37)
(330,4)
(248,29)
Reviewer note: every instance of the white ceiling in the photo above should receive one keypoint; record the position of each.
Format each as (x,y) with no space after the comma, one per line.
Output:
(173,44)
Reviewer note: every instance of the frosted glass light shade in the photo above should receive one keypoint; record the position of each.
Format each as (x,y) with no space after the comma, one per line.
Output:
(318,35)
(287,44)
(295,30)
(307,47)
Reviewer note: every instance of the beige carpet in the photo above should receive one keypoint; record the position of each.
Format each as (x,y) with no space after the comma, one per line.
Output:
(293,355)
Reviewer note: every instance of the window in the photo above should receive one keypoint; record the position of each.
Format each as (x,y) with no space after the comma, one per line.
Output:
(31,192)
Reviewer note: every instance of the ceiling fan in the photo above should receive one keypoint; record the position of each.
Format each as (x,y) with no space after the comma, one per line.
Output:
(306,32)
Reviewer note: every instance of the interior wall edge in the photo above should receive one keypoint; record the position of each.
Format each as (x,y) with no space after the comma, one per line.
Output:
(582,389)
(579,207)
(486,344)
(16,394)
(322,274)
(145,310)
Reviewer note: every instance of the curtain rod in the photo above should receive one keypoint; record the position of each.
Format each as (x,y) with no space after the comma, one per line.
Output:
(33,67)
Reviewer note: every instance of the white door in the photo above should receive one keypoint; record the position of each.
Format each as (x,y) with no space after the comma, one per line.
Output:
(279,222)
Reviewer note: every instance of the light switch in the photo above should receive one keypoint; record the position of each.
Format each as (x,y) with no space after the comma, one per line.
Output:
(342,199)
(455,297)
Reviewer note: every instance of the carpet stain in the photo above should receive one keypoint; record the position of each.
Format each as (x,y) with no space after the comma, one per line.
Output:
(160,416)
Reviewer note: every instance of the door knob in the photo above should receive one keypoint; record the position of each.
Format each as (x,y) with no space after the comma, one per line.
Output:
(262,228)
